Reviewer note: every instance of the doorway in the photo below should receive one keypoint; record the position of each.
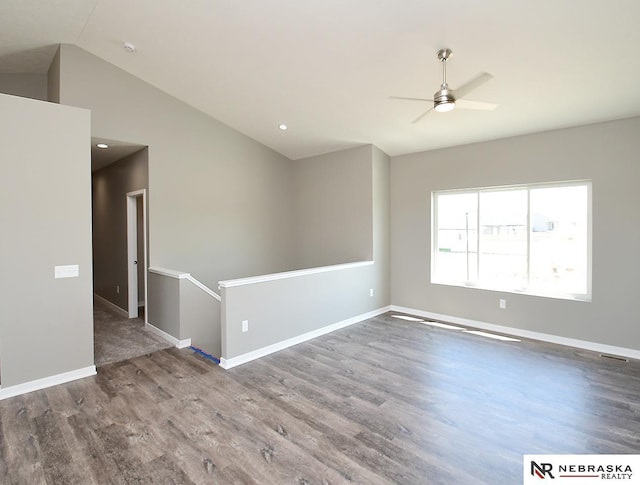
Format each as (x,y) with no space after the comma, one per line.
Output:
(137,252)
(120,200)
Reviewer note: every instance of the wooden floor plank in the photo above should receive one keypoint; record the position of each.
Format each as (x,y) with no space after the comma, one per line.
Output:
(383,401)
(116,448)
(274,413)
(159,469)
(4,466)
(56,456)
(346,414)
(23,458)
(100,466)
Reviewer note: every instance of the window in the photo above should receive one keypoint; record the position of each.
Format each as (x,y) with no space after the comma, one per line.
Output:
(533,239)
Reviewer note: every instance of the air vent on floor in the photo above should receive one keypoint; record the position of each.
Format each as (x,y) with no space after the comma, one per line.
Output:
(614,357)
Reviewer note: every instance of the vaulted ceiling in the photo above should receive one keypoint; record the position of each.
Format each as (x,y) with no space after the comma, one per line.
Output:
(327,68)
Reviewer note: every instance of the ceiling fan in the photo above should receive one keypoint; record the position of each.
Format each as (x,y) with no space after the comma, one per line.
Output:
(445,98)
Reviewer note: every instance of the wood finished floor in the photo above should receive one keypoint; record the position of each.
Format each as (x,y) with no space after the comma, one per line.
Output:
(117,337)
(383,401)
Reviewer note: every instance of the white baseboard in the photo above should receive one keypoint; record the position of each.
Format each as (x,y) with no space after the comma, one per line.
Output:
(111,305)
(18,389)
(181,344)
(518,332)
(256,354)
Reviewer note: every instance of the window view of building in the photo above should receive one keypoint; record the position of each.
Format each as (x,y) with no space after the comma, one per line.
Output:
(528,239)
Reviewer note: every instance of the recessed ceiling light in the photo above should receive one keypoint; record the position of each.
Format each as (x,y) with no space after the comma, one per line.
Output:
(129,47)
(283,127)
(102,145)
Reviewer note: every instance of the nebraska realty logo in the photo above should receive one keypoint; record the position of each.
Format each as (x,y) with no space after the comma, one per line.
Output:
(581,468)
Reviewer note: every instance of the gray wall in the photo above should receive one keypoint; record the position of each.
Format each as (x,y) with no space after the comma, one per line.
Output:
(333,208)
(219,202)
(606,153)
(53,79)
(110,187)
(221,205)
(286,308)
(184,311)
(342,209)
(26,85)
(381,226)
(46,324)
(200,316)
(164,314)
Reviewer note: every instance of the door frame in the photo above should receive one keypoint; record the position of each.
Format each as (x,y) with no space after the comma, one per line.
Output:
(132,250)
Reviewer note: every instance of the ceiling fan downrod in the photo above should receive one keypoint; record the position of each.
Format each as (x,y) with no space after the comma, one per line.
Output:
(443,99)
(443,55)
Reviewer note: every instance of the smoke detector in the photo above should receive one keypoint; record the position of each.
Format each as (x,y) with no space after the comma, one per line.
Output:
(129,47)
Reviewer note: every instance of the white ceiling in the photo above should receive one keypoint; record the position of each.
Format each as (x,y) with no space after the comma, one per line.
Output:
(326,68)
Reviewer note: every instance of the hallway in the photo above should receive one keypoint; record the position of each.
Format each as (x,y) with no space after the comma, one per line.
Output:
(117,338)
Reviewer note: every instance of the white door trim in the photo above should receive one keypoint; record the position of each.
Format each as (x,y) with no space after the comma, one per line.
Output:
(132,249)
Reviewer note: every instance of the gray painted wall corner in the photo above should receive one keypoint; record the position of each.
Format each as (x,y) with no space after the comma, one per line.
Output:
(32,86)
(333,208)
(163,307)
(606,153)
(200,316)
(48,147)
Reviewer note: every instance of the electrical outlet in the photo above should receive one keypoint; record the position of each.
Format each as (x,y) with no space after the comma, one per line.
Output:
(371,292)
(118,289)
(245,325)
(503,303)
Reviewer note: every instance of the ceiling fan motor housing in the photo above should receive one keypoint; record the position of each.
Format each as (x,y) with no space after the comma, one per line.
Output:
(443,99)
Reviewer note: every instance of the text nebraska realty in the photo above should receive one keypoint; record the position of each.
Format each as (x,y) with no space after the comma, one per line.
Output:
(606,472)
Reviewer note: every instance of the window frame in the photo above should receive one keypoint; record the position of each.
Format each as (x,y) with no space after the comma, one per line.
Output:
(478,284)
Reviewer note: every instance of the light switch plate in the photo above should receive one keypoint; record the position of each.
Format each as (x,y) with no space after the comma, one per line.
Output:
(67,271)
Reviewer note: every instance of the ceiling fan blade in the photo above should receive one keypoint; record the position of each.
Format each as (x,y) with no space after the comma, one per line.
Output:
(421,116)
(476,105)
(410,99)
(473,84)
